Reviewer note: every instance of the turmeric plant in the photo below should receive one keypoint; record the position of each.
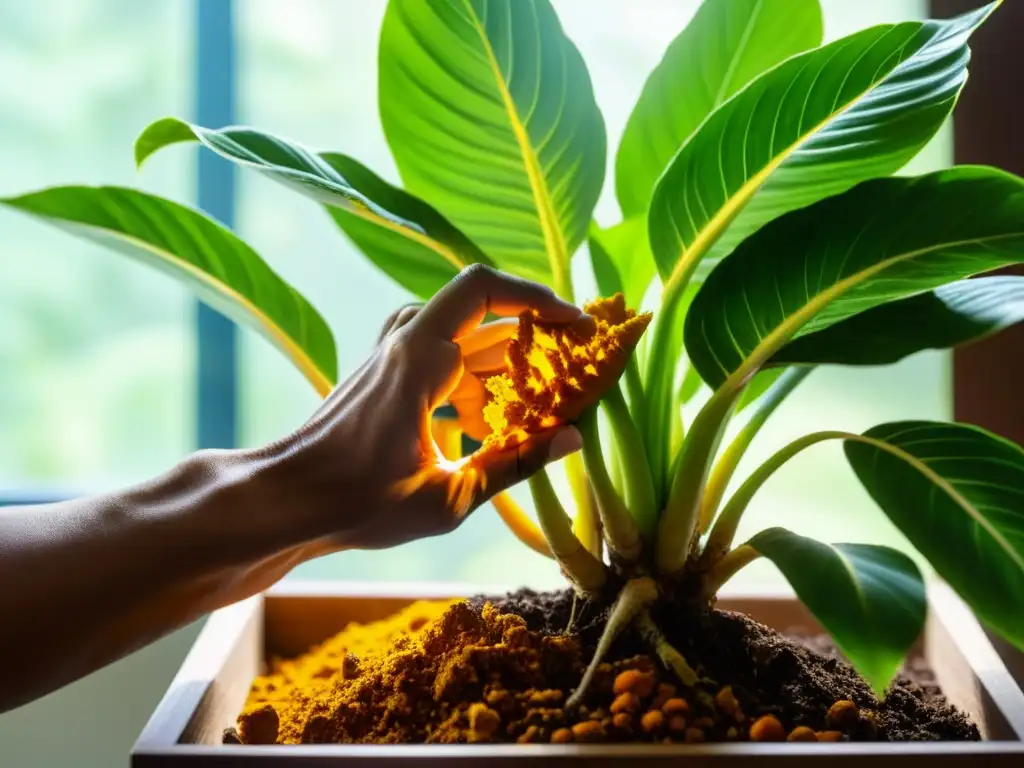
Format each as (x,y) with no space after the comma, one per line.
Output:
(762,225)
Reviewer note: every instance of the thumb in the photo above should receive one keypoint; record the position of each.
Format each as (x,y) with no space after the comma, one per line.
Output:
(503,469)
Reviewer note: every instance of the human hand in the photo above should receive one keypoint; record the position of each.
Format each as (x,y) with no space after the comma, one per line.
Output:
(483,356)
(365,467)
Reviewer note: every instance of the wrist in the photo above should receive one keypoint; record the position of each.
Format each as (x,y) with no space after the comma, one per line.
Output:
(226,507)
(298,489)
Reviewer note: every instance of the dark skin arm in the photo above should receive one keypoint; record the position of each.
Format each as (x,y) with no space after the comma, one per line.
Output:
(90,580)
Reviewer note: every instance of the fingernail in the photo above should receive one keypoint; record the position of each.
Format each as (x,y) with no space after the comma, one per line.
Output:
(568,440)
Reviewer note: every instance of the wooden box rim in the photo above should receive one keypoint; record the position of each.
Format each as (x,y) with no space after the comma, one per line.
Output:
(160,742)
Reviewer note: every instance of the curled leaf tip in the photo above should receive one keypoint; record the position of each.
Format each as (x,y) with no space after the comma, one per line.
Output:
(555,372)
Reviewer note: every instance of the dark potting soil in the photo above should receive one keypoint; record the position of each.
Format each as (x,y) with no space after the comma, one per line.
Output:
(796,678)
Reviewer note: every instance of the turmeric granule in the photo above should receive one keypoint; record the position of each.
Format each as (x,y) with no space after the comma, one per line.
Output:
(555,373)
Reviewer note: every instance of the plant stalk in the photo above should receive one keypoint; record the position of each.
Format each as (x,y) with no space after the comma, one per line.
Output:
(662,361)
(620,531)
(615,467)
(679,520)
(585,524)
(726,465)
(636,469)
(729,566)
(580,567)
(635,597)
(724,530)
(658,394)
(520,524)
(635,387)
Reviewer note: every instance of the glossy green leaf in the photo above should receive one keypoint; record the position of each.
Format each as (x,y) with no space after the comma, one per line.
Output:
(870,599)
(957,493)
(196,250)
(725,46)
(949,316)
(402,235)
(884,240)
(420,263)
(622,260)
(813,126)
(490,114)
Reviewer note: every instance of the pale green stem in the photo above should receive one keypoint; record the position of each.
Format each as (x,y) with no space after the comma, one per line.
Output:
(724,530)
(727,463)
(585,524)
(676,433)
(620,531)
(579,566)
(635,387)
(679,520)
(659,397)
(636,471)
(615,467)
(635,597)
(729,566)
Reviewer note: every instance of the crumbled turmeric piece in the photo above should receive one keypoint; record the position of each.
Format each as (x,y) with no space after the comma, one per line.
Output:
(555,373)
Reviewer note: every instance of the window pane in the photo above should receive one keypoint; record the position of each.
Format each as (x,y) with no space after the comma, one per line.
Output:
(311,75)
(95,357)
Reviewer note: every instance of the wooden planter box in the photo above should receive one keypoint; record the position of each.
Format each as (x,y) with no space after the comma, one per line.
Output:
(1011,656)
(212,685)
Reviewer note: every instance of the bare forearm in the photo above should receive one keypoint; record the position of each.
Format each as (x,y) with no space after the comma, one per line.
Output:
(88,581)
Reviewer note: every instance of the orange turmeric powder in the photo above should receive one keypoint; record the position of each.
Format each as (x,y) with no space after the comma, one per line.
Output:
(435,672)
(554,373)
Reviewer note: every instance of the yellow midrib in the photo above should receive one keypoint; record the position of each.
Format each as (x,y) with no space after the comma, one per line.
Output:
(948,489)
(554,238)
(417,237)
(928,472)
(788,327)
(321,383)
(710,232)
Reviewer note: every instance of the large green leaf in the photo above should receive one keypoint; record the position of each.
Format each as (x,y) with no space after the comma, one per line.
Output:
(870,599)
(622,260)
(402,235)
(813,126)
(725,46)
(949,316)
(884,240)
(224,271)
(490,114)
(957,493)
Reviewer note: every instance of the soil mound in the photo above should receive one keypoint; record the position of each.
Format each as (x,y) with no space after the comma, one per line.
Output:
(500,670)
